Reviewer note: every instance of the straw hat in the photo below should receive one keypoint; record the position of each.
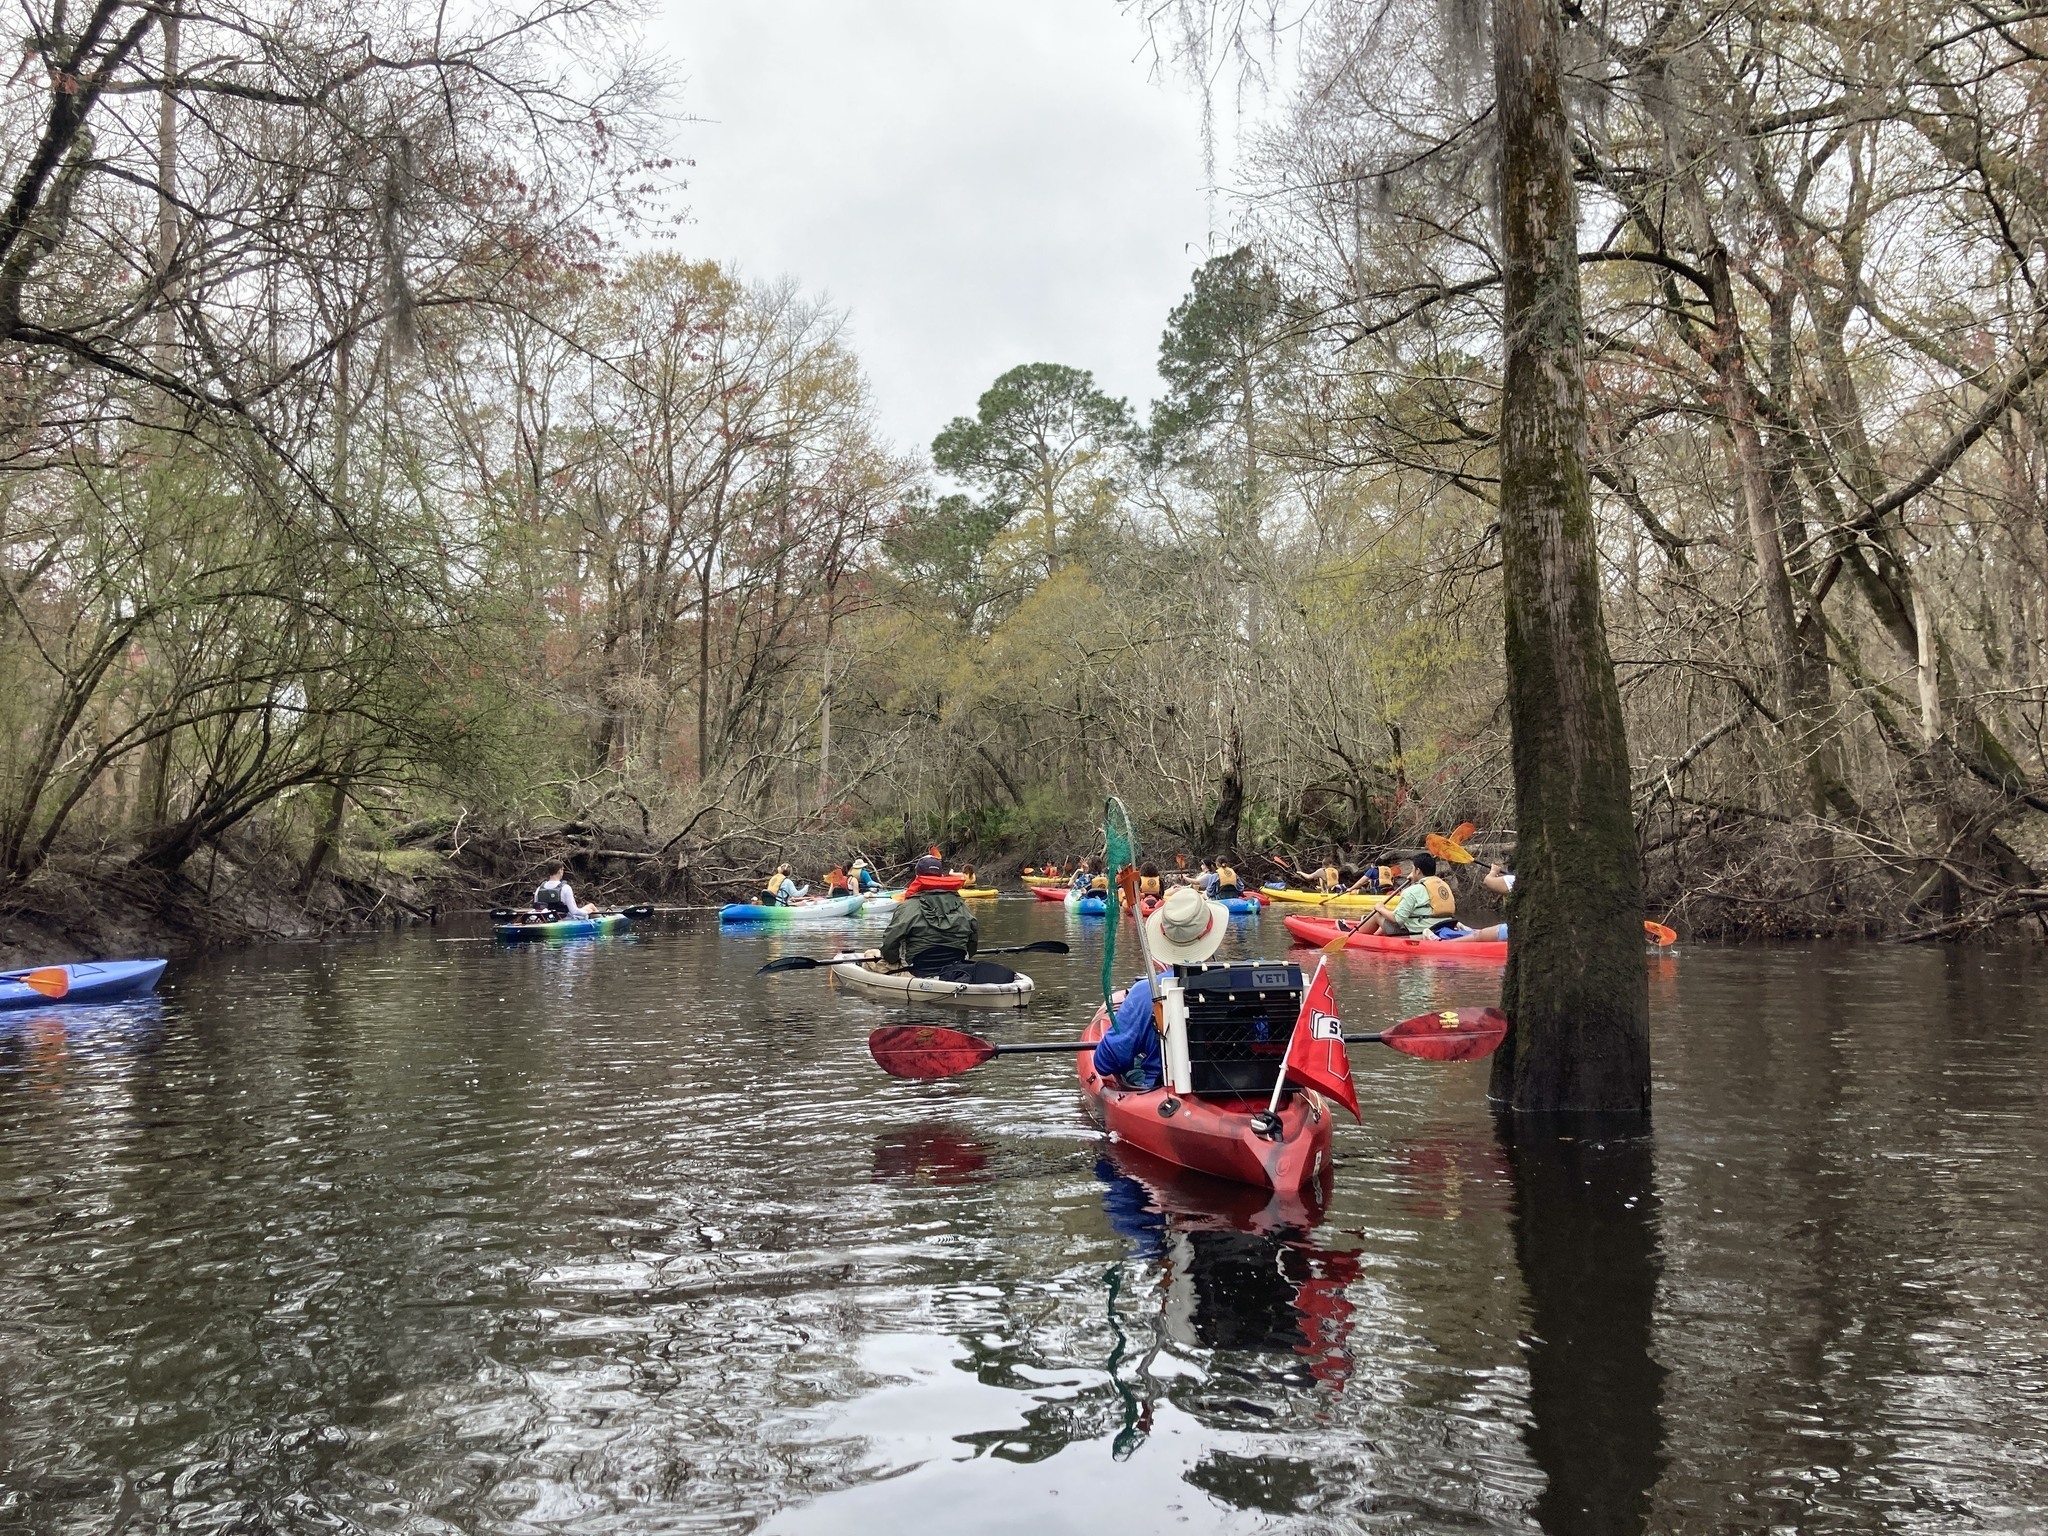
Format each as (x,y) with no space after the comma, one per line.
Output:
(1186,928)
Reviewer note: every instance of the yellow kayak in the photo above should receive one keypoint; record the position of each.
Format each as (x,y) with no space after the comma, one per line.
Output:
(1033,882)
(977,892)
(1358,903)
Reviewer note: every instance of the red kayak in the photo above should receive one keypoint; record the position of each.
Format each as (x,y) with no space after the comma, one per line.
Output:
(1049,892)
(1212,1136)
(1321,930)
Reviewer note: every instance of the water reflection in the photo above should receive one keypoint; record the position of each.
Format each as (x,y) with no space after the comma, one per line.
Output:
(931,1151)
(1241,1283)
(1587,1244)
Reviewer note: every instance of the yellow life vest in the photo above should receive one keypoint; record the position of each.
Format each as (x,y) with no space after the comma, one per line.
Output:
(1148,885)
(1441,902)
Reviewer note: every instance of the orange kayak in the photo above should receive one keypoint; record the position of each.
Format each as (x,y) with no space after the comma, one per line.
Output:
(1321,930)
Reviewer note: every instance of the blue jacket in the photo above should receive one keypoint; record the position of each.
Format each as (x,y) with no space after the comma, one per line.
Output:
(1131,1048)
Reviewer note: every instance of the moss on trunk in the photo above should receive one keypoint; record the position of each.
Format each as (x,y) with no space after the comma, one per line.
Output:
(1575,987)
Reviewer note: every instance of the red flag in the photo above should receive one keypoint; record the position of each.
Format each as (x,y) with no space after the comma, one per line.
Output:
(1315,1054)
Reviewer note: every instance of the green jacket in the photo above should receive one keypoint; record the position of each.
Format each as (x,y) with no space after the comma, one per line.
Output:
(929,920)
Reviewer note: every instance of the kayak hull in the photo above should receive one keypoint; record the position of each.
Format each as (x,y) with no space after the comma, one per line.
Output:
(1357,903)
(1050,892)
(803,911)
(1086,906)
(567,928)
(1321,930)
(97,981)
(1211,1136)
(1044,882)
(904,988)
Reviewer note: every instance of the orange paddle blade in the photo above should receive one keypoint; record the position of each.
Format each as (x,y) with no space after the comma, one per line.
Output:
(1665,937)
(1450,1034)
(1447,848)
(1462,830)
(52,981)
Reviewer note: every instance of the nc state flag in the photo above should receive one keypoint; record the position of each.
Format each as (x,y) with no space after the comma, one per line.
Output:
(1315,1053)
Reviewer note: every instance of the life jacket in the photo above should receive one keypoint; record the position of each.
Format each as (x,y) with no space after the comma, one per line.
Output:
(548,897)
(771,891)
(1441,902)
(1148,885)
(1099,883)
(1331,878)
(836,882)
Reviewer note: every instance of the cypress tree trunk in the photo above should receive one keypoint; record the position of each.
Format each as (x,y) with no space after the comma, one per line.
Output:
(1575,989)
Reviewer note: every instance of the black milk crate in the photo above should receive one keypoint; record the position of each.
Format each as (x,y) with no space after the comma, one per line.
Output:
(1240,1015)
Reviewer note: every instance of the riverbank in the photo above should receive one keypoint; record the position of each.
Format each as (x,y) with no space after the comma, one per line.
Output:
(87,907)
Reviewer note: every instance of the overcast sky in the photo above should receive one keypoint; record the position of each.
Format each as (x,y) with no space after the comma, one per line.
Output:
(978,183)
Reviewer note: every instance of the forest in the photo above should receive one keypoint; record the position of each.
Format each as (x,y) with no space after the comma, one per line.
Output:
(391,490)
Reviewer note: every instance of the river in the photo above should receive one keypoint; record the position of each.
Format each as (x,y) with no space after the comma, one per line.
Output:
(428,1234)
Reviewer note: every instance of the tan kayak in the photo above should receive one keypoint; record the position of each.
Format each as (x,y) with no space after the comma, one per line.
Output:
(902,987)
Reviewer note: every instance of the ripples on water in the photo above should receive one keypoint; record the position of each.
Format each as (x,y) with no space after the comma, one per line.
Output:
(427,1236)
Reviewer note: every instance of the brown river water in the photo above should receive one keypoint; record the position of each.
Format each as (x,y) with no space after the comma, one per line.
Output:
(427,1236)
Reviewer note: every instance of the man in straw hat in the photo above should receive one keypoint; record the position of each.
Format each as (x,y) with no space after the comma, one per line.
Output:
(1185,929)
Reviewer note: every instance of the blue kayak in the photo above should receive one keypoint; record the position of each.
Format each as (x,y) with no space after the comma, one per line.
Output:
(1087,906)
(562,928)
(97,981)
(1241,906)
(802,911)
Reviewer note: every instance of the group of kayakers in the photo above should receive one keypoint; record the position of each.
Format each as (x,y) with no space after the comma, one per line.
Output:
(1090,877)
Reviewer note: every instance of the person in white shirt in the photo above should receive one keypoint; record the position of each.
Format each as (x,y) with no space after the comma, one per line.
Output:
(554,895)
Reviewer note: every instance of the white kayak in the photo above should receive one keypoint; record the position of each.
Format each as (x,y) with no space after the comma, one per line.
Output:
(901,986)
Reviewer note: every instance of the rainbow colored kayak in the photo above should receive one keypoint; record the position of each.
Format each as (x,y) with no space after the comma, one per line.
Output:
(563,928)
(802,911)
(98,981)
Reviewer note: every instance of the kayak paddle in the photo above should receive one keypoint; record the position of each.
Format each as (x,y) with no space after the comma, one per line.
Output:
(807,963)
(927,1051)
(531,914)
(53,981)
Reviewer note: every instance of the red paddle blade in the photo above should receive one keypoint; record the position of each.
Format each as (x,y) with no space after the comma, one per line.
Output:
(51,980)
(1665,937)
(923,1050)
(1462,830)
(1451,1034)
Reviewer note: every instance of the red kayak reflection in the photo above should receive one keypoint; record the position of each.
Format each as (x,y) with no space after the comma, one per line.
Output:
(1239,1270)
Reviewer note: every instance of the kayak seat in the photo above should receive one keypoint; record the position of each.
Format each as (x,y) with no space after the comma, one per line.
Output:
(956,967)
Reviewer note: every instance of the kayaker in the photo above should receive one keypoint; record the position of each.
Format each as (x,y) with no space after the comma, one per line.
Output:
(1420,908)
(863,877)
(779,890)
(836,882)
(1186,929)
(932,928)
(1226,882)
(1148,879)
(1500,881)
(554,896)
(1329,879)
(1205,878)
